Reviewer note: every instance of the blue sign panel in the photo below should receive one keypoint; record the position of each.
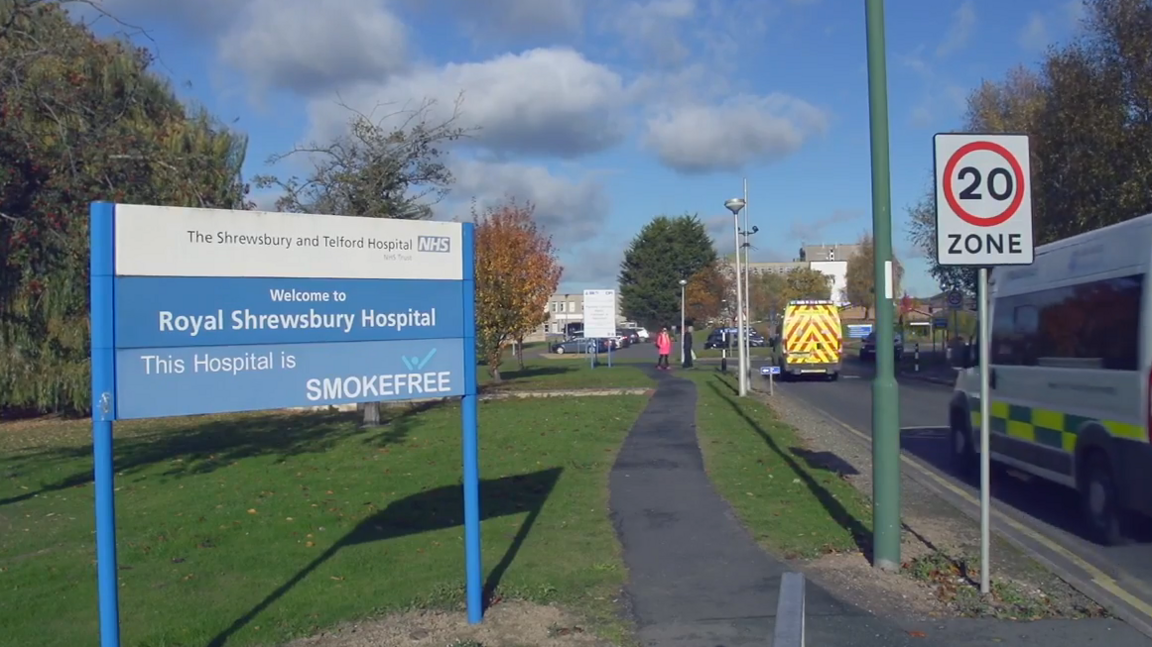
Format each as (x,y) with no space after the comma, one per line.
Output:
(202,311)
(769,370)
(159,382)
(156,312)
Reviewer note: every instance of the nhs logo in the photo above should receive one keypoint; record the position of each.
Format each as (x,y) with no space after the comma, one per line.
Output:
(434,244)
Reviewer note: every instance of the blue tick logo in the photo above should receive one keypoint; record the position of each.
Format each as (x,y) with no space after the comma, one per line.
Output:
(415,363)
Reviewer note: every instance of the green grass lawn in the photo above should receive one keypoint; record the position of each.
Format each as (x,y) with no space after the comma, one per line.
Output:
(788,497)
(550,374)
(260,528)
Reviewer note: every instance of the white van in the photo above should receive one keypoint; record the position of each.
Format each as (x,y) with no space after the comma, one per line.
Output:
(1070,373)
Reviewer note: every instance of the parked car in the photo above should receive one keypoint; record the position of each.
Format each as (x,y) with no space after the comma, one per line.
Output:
(716,338)
(581,345)
(631,333)
(620,341)
(868,348)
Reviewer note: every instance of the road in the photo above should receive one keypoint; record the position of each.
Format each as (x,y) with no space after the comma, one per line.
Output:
(1048,512)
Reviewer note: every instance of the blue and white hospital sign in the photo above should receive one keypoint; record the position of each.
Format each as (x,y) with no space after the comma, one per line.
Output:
(218,311)
(200,311)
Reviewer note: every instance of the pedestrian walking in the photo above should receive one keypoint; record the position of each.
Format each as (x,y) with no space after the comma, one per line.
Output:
(663,348)
(689,354)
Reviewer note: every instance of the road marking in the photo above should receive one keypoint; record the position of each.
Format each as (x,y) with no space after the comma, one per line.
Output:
(1098,577)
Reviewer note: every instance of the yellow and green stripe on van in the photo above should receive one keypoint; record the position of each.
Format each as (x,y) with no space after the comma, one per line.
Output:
(1047,427)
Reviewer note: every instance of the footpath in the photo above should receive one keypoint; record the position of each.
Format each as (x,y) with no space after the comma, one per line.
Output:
(697,578)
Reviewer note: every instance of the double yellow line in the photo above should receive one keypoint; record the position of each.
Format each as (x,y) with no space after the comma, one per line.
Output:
(1097,576)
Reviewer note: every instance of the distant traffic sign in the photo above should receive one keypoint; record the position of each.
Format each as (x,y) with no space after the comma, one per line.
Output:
(769,370)
(955,299)
(983,200)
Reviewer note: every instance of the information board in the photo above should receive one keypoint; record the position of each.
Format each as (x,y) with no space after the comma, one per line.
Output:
(599,313)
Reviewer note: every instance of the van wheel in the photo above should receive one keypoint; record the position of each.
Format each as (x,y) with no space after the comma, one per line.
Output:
(1099,498)
(832,377)
(963,454)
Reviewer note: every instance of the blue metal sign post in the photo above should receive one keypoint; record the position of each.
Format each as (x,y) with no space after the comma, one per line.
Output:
(199,311)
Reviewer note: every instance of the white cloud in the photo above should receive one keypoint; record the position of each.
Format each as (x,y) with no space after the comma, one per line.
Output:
(511,18)
(543,101)
(654,28)
(573,211)
(309,46)
(963,22)
(595,264)
(729,136)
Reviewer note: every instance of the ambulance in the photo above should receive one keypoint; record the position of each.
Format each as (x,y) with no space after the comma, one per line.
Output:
(1070,374)
(811,340)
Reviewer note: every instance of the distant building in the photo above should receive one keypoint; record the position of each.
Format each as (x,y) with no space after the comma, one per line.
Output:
(832,252)
(830,260)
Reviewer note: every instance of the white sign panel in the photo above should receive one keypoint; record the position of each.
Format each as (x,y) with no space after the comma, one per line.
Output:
(599,313)
(177,241)
(983,200)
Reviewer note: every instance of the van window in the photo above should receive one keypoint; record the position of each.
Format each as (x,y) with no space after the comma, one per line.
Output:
(1090,325)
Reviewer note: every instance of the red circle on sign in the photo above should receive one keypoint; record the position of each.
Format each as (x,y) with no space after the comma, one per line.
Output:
(972,218)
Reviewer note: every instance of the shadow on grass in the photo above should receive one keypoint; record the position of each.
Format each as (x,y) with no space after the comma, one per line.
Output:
(514,375)
(827,461)
(435,509)
(831,504)
(203,444)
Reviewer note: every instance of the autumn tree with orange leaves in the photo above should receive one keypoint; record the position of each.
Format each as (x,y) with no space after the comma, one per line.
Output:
(516,272)
(706,292)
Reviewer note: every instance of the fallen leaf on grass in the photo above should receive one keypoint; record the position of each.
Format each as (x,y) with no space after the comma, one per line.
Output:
(251,510)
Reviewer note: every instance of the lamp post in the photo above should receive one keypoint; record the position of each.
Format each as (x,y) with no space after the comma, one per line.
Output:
(885,392)
(747,284)
(683,287)
(735,205)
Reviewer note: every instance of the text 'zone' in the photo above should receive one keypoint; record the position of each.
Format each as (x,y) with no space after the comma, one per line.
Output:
(985,243)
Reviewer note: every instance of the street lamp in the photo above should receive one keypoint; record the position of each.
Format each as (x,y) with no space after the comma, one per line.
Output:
(747,284)
(736,205)
(683,287)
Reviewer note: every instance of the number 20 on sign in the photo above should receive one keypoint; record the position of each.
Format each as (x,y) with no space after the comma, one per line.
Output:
(983,200)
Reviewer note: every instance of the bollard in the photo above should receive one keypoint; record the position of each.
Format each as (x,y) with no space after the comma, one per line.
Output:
(790,612)
(916,357)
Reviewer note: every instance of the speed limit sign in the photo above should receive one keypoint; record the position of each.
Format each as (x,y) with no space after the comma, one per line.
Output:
(983,200)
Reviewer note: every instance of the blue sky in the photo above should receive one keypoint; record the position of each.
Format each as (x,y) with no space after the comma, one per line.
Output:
(607,113)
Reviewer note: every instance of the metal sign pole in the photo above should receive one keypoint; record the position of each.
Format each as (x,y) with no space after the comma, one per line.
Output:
(985,426)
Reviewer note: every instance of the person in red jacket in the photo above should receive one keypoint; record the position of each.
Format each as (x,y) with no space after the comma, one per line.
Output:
(663,348)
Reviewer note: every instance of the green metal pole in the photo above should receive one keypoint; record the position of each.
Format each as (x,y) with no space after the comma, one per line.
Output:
(885,393)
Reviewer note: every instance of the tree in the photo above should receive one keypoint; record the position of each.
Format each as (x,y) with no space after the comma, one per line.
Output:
(805,283)
(393,166)
(666,250)
(768,293)
(516,273)
(708,291)
(82,119)
(1088,112)
(861,275)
